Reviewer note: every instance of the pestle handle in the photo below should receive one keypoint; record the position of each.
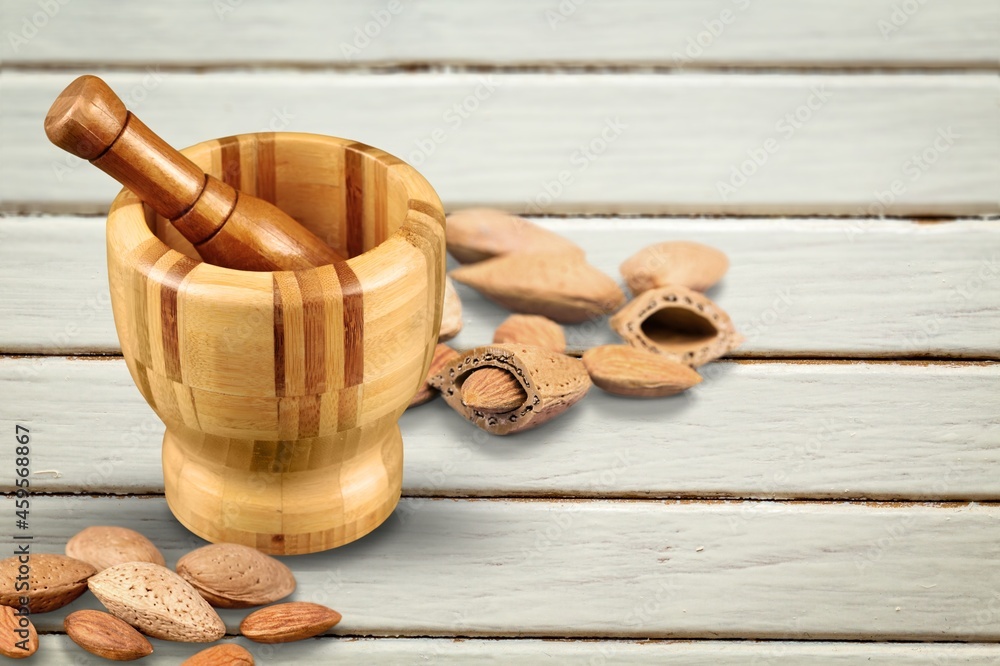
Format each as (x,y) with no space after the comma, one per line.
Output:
(228,228)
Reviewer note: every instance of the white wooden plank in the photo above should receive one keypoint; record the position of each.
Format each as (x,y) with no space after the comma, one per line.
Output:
(796,287)
(749,430)
(57,650)
(629,569)
(669,145)
(516,32)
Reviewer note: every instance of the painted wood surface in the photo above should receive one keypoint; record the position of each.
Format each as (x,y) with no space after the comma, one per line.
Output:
(645,569)
(737,33)
(850,430)
(57,650)
(571,143)
(795,287)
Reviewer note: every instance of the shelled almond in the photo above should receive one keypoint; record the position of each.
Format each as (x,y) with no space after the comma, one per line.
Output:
(477,234)
(629,371)
(18,638)
(106,636)
(221,655)
(284,623)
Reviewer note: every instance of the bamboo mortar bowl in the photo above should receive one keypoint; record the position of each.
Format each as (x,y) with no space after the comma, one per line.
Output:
(281,391)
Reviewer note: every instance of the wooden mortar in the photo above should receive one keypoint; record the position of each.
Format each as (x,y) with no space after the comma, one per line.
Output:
(281,391)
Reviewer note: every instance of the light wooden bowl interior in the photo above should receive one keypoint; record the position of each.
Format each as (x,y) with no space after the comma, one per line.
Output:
(281,391)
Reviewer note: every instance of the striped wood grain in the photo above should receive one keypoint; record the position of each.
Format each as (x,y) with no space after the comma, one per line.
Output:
(795,288)
(780,33)
(575,143)
(627,569)
(788,430)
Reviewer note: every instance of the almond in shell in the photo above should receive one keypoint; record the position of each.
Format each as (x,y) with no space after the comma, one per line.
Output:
(551,382)
(634,372)
(104,546)
(683,263)
(681,324)
(221,655)
(442,355)
(534,330)
(477,234)
(230,575)
(157,602)
(106,636)
(563,287)
(53,580)
(451,313)
(18,638)
(284,623)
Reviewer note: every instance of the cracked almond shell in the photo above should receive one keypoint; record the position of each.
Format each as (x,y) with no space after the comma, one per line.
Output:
(442,355)
(477,234)
(681,324)
(683,263)
(562,287)
(552,383)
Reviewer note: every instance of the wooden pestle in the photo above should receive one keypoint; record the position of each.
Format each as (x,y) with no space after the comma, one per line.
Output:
(227,227)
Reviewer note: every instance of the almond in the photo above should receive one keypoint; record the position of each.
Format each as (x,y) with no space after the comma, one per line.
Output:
(476,234)
(492,390)
(230,575)
(221,655)
(562,287)
(451,313)
(533,330)
(53,581)
(552,383)
(157,602)
(635,372)
(678,323)
(18,638)
(683,263)
(104,546)
(289,622)
(442,355)
(106,636)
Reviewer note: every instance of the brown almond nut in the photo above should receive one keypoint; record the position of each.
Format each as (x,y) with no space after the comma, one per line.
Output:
(104,546)
(18,638)
(683,263)
(106,636)
(230,575)
(157,602)
(634,372)
(53,581)
(678,323)
(492,390)
(221,655)
(451,312)
(477,234)
(533,330)
(552,384)
(284,623)
(442,355)
(562,287)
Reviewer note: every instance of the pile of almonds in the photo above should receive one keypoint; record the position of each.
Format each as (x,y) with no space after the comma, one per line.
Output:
(526,377)
(127,574)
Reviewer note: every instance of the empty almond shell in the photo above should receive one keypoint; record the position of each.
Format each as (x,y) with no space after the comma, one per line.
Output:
(681,324)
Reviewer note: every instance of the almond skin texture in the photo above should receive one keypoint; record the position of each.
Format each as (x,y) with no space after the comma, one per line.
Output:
(157,602)
(106,636)
(492,390)
(633,372)
(289,622)
(477,234)
(683,263)
(442,355)
(54,581)
(13,644)
(678,323)
(552,383)
(104,546)
(221,655)
(230,575)
(533,330)
(562,287)
(451,314)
